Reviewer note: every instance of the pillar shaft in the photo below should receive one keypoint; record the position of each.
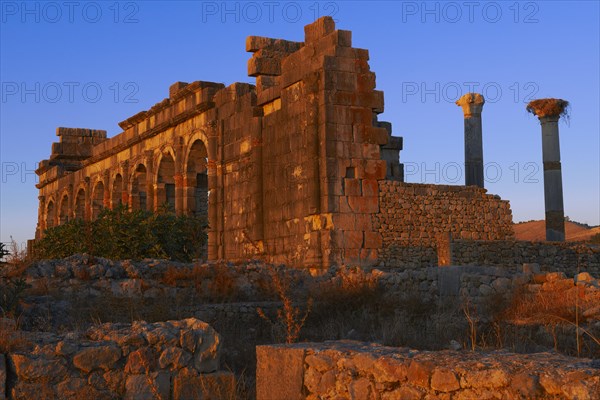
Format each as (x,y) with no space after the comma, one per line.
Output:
(473,151)
(472,105)
(553,192)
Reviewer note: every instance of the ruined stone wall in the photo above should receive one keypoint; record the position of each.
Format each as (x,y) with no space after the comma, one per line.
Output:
(292,164)
(170,360)
(245,287)
(413,216)
(357,370)
(570,258)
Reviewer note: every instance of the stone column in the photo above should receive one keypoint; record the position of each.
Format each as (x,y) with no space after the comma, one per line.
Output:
(472,104)
(149,161)
(87,213)
(125,184)
(107,189)
(179,193)
(41,226)
(549,112)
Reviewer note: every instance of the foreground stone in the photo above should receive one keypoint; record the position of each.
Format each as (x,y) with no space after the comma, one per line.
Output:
(354,370)
(130,361)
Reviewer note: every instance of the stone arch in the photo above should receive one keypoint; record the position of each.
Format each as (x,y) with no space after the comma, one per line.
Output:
(196,179)
(138,198)
(79,204)
(50,214)
(63,214)
(97,199)
(165,181)
(193,138)
(116,194)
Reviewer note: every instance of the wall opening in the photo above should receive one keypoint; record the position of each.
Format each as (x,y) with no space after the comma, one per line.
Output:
(165,184)
(50,214)
(97,199)
(196,190)
(117,192)
(64,210)
(80,204)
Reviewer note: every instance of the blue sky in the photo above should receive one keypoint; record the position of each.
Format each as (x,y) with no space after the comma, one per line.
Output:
(93,64)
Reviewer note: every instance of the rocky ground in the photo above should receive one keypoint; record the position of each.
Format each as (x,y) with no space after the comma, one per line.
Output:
(250,304)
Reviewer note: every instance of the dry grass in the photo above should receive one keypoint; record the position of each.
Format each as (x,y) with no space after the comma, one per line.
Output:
(549,307)
(557,311)
(290,318)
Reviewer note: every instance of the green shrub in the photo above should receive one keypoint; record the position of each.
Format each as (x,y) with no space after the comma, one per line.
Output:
(124,234)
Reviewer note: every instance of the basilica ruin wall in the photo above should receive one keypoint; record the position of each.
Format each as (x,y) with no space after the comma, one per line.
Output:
(294,169)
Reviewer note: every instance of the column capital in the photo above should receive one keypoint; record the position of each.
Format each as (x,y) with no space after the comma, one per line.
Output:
(549,109)
(471,103)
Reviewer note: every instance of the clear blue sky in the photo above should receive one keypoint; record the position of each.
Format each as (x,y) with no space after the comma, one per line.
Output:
(93,64)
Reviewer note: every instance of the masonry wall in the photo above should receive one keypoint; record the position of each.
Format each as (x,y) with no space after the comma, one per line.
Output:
(413,217)
(169,360)
(292,163)
(570,258)
(355,370)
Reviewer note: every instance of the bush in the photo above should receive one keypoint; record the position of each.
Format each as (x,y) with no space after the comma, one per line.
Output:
(123,234)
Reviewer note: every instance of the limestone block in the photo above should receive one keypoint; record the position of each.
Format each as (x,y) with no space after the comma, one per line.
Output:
(99,357)
(279,372)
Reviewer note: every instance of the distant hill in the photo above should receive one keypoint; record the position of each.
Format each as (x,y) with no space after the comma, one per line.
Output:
(536,230)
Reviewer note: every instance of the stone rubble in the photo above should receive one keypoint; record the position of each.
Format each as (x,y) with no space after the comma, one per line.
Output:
(130,361)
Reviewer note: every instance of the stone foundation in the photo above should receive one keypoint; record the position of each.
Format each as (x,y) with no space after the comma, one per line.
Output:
(357,370)
(169,360)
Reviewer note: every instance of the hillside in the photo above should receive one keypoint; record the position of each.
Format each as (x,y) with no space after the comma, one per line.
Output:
(536,230)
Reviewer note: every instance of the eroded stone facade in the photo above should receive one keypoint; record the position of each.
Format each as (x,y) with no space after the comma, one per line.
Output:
(355,370)
(289,169)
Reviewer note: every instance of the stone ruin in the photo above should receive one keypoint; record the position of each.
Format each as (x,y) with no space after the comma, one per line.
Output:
(295,169)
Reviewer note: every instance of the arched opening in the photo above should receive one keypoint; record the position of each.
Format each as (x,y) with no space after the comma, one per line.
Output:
(63,216)
(80,204)
(138,189)
(50,214)
(97,199)
(196,190)
(165,183)
(117,192)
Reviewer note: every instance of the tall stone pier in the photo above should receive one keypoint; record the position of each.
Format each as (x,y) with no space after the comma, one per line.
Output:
(472,105)
(549,112)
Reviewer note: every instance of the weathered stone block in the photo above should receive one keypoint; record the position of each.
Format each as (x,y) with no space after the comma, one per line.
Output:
(318,29)
(364,204)
(279,372)
(188,385)
(444,380)
(148,386)
(37,368)
(373,240)
(100,357)
(352,187)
